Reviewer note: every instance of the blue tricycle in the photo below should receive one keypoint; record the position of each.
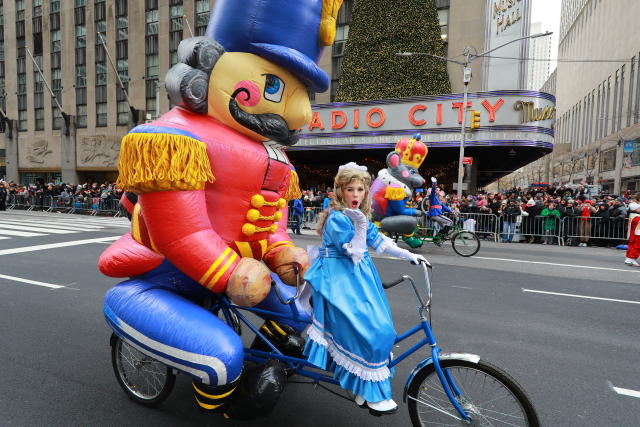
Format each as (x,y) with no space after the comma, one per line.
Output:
(445,389)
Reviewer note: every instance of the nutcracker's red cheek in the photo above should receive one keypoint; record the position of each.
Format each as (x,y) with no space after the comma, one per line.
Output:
(249,95)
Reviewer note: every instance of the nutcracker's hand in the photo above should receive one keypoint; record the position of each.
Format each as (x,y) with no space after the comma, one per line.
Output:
(280,261)
(249,283)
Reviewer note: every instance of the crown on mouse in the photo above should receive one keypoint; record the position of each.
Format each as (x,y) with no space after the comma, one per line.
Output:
(412,151)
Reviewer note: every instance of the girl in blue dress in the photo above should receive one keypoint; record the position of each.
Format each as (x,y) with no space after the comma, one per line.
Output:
(352,333)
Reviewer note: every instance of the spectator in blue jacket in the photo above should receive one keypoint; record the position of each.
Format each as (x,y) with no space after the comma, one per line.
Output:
(297,212)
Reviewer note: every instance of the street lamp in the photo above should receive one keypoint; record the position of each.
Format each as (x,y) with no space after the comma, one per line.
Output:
(466,78)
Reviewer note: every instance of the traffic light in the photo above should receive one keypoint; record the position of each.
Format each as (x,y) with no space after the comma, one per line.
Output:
(475,120)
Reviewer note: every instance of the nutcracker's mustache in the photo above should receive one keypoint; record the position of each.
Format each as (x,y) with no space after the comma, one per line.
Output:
(271,126)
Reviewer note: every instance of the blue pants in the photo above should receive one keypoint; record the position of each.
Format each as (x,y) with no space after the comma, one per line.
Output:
(508,230)
(160,313)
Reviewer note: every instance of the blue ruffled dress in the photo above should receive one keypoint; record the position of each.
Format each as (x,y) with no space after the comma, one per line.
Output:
(352,333)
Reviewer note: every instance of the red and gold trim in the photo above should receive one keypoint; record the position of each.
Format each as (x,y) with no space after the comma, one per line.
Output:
(217,275)
(139,230)
(279,244)
(255,250)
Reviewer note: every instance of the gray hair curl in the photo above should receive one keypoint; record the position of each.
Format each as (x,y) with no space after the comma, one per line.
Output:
(187,82)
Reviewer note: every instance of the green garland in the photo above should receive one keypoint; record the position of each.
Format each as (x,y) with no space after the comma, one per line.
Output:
(378,30)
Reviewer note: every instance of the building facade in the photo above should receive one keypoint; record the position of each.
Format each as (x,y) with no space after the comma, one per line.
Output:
(105,62)
(597,87)
(540,64)
(72,48)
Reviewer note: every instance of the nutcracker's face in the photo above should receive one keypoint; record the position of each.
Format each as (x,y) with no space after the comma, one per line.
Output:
(258,98)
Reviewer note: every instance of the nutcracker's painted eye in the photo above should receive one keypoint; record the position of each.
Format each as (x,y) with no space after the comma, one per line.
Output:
(273,88)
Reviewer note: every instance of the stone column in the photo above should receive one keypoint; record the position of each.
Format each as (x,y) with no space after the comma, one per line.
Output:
(617,177)
(68,154)
(11,150)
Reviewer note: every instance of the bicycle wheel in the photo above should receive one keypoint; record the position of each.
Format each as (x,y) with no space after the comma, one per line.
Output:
(489,396)
(145,380)
(465,243)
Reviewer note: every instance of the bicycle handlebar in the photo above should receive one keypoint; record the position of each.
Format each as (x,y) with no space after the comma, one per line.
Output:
(392,284)
(296,270)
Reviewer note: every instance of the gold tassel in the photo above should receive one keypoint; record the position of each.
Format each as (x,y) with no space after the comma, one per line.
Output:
(162,162)
(327,31)
(293,192)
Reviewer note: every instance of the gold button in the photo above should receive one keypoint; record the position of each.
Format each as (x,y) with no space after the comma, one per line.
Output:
(257,201)
(253,215)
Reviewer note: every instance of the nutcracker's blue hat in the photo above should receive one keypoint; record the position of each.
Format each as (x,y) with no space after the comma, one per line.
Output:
(289,33)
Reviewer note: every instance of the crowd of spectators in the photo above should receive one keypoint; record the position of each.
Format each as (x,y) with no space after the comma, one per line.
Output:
(51,195)
(589,219)
(597,219)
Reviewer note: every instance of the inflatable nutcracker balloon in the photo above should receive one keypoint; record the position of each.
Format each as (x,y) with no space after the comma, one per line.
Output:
(392,189)
(207,189)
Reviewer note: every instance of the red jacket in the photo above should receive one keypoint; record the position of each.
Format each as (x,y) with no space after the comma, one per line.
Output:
(204,229)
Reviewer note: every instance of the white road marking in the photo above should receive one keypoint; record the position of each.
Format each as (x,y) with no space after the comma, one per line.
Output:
(625,391)
(63,225)
(460,287)
(580,296)
(56,245)
(31,282)
(36,229)
(19,233)
(559,265)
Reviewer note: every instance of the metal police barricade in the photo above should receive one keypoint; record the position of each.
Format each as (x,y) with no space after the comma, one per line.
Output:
(20,202)
(60,204)
(311,217)
(11,201)
(511,231)
(594,230)
(485,225)
(107,206)
(120,211)
(542,229)
(83,204)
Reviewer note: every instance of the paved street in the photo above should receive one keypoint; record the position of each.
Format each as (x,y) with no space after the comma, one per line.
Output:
(562,321)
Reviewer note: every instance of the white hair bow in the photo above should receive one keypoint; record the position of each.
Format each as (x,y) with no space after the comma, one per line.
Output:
(352,165)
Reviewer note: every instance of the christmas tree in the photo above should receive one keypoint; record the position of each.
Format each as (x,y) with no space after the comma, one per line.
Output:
(381,28)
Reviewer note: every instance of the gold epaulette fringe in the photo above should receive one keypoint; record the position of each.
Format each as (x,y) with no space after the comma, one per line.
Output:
(163,162)
(293,192)
(394,193)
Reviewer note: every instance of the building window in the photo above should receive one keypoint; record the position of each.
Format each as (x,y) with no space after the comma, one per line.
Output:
(100,23)
(123,112)
(81,116)
(122,61)
(443,20)
(337,51)
(152,66)
(101,114)
(202,16)
(81,64)
(3,100)
(21,66)
(608,160)
(175,35)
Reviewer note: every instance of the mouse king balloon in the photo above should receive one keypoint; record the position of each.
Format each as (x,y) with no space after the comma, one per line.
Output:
(392,189)
(207,188)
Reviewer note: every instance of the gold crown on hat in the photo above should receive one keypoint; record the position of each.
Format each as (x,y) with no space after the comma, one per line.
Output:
(412,151)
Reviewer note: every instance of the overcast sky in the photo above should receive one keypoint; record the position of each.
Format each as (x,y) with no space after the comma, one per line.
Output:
(548,12)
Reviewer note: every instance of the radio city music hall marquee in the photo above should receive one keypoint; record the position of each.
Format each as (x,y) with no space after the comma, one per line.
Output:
(517,118)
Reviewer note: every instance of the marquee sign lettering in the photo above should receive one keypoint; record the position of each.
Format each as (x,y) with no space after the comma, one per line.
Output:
(504,115)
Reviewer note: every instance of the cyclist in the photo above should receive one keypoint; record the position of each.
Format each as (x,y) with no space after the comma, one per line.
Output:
(437,207)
